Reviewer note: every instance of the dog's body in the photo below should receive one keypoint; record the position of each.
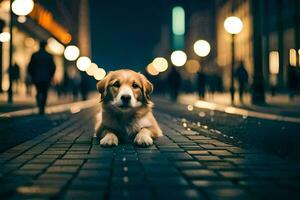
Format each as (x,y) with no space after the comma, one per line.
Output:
(126,110)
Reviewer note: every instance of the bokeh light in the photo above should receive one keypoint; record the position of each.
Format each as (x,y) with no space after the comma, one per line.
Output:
(55,47)
(202,48)
(192,66)
(91,71)
(83,63)
(22,19)
(22,7)
(99,74)
(178,58)
(4,37)
(233,25)
(151,70)
(160,64)
(71,52)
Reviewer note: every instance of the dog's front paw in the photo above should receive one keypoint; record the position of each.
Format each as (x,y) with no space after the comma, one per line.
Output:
(109,139)
(143,139)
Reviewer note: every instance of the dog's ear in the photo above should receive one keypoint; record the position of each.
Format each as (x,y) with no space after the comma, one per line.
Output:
(102,86)
(147,87)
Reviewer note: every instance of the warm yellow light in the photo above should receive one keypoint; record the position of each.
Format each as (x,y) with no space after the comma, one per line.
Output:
(178,58)
(274,62)
(55,47)
(151,70)
(71,52)
(91,71)
(99,74)
(233,25)
(160,64)
(22,19)
(202,48)
(293,57)
(4,37)
(22,7)
(192,66)
(83,63)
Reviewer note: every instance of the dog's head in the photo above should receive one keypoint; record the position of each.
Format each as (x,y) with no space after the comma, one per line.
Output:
(125,89)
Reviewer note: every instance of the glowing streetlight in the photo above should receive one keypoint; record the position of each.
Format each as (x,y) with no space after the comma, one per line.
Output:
(22,7)
(160,64)
(178,58)
(55,47)
(91,71)
(151,70)
(233,25)
(99,74)
(83,63)
(71,52)
(4,37)
(202,48)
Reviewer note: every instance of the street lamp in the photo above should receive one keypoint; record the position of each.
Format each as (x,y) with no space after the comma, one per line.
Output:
(178,58)
(233,25)
(160,64)
(71,52)
(99,74)
(20,8)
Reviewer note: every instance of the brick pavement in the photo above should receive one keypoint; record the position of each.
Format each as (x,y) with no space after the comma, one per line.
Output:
(67,163)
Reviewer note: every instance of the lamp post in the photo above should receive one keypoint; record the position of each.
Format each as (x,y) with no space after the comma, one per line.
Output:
(233,25)
(20,8)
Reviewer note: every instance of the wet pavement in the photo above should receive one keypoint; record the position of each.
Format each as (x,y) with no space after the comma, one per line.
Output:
(194,160)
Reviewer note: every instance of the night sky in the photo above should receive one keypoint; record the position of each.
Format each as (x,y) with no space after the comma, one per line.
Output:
(124,33)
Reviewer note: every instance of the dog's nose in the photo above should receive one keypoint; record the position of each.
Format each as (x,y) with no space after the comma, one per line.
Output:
(125,98)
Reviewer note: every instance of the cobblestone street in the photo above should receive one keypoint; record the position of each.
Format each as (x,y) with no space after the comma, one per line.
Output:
(67,163)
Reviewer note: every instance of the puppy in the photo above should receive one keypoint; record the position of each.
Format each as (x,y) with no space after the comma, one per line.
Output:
(126,112)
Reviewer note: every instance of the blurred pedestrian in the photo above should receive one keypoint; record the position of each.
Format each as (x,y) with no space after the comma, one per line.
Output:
(15,75)
(41,69)
(28,84)
(292,81)
(242,75)
(201,84)
(174,82)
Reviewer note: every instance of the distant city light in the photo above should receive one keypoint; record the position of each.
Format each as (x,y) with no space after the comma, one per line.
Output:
(71,52)
(178,58)
(83,63)
(293,57)
(151,70)
(4,37)
(55,47)
(91,71)
(99,74)
(202,48)
(233,25)
(22,7)
(29,42)
(274,62)
(178,21)
(192,66)
(160,64)
(22,19)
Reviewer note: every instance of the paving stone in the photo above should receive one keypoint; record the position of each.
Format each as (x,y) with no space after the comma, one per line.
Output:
(70,162)
(84,195)
(187,164)
(62,169)
(179,194)
(199,173)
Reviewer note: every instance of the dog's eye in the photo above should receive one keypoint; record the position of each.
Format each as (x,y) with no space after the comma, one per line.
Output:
(134,85)
(116,84)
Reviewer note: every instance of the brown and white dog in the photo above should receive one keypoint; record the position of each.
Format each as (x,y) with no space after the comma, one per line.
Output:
(126,109)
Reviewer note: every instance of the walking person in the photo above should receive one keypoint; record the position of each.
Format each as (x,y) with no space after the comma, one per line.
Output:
(174,82)
(201,83)
(292,81)
(41,70)
(242,76)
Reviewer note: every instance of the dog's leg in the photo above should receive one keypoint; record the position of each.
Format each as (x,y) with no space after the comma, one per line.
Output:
(143,137)
(110,139)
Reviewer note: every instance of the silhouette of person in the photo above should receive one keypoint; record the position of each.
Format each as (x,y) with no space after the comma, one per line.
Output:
(242,76)
(41,69)
(15,75)
(292,81)
(174,82)
(201,83)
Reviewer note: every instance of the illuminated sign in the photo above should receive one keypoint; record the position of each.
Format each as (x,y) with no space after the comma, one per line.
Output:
(45,19)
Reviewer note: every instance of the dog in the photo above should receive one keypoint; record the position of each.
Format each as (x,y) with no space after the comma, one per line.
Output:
(126,109)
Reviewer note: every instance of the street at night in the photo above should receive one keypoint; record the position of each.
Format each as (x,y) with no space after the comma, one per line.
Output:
(153,99)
